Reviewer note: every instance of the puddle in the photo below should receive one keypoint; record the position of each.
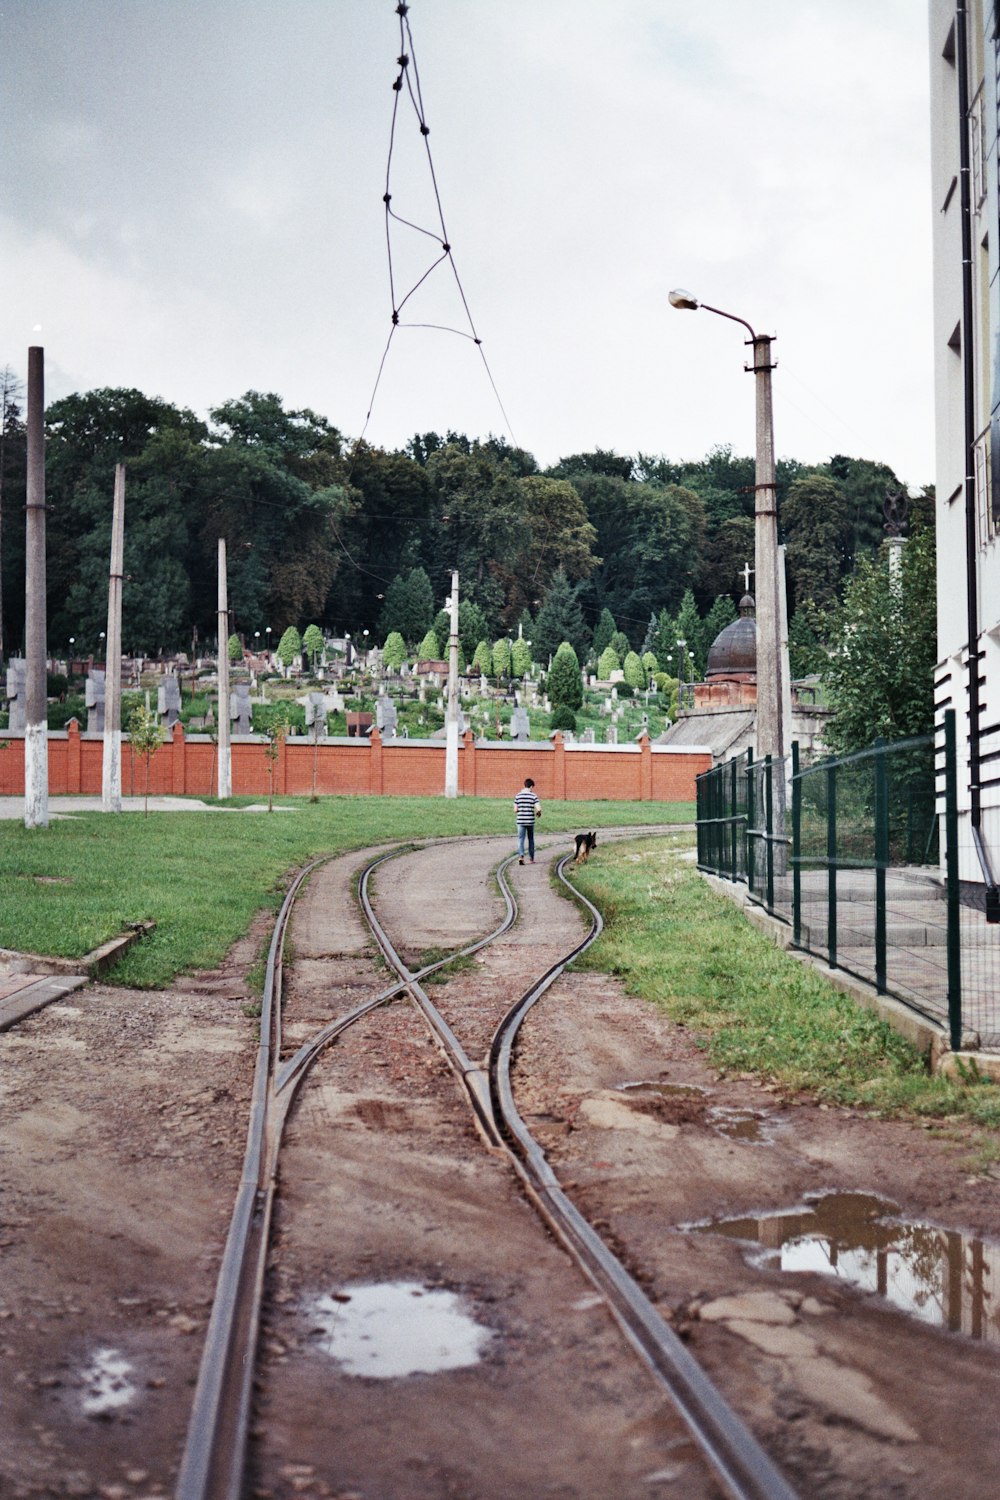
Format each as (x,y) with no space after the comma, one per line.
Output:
(665,1090)
(106,1386)
(944,1278)
(397,1328)
(740,1124)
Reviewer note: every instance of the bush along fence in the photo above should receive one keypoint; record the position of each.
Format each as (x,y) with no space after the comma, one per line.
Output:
(187,765)
(859,854)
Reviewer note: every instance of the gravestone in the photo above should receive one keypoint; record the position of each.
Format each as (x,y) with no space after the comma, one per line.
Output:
(93,697)
(611,735)
(385,716)
(645,721)
(405,732)
(240,708)
(17,671)
(587,737)
(168,701)
(520,729)
(315,707)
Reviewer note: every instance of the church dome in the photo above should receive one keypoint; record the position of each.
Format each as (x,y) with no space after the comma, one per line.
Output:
(734,650)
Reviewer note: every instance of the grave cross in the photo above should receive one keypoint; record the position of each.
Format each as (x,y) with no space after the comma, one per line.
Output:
(744,573)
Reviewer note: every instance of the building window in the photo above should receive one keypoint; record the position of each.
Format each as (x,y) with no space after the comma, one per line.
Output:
(987,481)
(977,149)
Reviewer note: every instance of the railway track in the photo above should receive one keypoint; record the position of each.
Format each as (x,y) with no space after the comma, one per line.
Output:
(214,1457)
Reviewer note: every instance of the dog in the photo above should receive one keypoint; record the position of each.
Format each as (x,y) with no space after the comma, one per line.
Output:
(584,843)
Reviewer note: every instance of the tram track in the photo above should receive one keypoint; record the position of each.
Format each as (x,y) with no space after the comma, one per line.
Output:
(214,1456)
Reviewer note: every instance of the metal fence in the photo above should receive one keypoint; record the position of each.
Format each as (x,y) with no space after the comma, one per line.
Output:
(859,854)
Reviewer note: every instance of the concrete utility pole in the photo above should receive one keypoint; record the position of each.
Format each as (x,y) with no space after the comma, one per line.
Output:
(451,720)
(111,773)
(225,752)
(36,732)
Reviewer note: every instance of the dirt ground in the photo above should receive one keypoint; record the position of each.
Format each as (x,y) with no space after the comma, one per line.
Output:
(124,1121)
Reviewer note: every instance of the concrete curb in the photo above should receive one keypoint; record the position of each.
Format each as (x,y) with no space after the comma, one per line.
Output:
(91,966)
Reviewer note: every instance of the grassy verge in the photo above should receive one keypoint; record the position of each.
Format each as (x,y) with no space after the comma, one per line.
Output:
(202,876)
(751,1007)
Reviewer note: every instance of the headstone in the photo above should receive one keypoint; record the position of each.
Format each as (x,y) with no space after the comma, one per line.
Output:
(645,721)
(520,729)
(240,708)
(385,716)
(405,732)
(611,734)
(93,697)
(484,685)
(315,707)
(209,718)
(17,671)
(614,691)
(168,701)
(587,737)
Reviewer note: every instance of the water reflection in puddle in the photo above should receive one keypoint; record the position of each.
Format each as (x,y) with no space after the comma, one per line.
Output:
(106,1385)
(397,1328)
(938,1275)
(665,1090)
(739,1124)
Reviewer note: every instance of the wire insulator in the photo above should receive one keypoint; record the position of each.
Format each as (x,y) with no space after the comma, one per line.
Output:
(386,197)
(425,130)
(403,60)
(397,86)
(395,317)
(477,341)
(446,247)
(401,9)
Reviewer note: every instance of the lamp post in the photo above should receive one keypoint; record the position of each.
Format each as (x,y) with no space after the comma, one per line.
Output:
(772,667)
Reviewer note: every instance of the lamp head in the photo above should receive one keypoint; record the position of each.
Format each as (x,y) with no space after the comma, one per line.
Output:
(681,298)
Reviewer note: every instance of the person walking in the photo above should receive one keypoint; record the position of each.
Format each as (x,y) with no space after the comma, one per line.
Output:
(528,808)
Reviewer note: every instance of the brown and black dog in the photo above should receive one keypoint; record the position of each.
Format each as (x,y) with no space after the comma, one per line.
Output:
(584,843)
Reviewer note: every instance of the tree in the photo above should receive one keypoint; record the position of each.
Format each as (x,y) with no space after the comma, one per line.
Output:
(235,648)
(394,650)
(880,674)
(722,613)
(563,717)
(144,734)
(806,652)
(650,662)
(603,631)
(429,648)
(609,662)
(689,631)
(559,619)
(289,646)
(816,522)
(520,657)
(559,537)
(313,643)
(620,645)
(409,605)
(501,657)
(10,412)
(472,627)
(635,674)
(275,731)
(565,682)
(482,659)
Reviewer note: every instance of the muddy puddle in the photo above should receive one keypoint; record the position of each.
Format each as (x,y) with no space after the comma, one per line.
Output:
(106,1383)
(940,1276)
(662,1090)
(390,1329)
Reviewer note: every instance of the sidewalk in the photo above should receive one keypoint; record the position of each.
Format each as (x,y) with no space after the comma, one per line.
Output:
(69,807)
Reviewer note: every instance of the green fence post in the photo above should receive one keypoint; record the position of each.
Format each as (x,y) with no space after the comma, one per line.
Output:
(751,820)
(952,887)
(796,846)
(732,818)
(881,860)
(769,767)
(831,865)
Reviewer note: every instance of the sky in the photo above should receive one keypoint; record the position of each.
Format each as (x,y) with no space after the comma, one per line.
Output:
(192,206)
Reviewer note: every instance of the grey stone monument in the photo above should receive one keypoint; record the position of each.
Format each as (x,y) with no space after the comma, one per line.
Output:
(168,701)
(385,716)
(93,697)
(240,708)
(611,735)
(587,737)
(17,669)
(315,707)
(520,729)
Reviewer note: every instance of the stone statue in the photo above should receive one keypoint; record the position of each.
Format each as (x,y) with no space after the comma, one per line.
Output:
(168,701)
(240,708)
(315,707)
(386,716)
(94,700)
(520,729)
(17,671)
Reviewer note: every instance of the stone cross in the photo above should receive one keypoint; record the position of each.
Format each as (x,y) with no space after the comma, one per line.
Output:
(168,700)
(240,709)
(587,737)
(611,734)
(520,728)
(17,669)
(93,697)
(386,716)
(315,707)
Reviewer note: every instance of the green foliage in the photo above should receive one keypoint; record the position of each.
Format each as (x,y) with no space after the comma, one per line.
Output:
(58,715)
(482,658)
(806,652)
(880,675)
(289,646)
(312,643)
(563,717)
(609,662)
(620,645)
(501,657)
(394,650)
(560,619)
(429,648)
(145,735)
(472,627)
(603,632)
(409,606)
(650,662)
(267,718)
(565,681)
(235,648)
(722,613)
(635,672)
(520,657)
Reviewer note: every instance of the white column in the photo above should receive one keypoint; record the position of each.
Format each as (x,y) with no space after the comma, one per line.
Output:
(111,772)
(451,720)
(225,754)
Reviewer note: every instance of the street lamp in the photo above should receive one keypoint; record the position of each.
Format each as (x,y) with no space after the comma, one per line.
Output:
(772,635)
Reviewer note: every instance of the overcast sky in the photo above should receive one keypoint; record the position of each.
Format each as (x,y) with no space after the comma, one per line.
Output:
(192,205)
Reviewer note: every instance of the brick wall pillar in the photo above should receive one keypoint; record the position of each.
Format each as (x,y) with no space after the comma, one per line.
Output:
(467,765)
(73,783)
(375,764)
(281,770)
(559,767)
(645,768)
(178,757)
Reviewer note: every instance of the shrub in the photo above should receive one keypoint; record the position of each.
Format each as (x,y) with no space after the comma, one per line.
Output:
(520,657)
(562,717)
(565,681)
(429,648)
(289,646)
(394,650)
(608,663)
(635,672)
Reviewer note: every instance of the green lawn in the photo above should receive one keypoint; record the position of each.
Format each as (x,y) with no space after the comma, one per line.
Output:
(201,877)
(751,1007)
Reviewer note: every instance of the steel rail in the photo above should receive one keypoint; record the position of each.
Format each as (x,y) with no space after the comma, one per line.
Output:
(728,1444)
(214,1458)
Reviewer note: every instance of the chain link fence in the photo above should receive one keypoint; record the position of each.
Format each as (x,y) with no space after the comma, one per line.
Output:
(859,854)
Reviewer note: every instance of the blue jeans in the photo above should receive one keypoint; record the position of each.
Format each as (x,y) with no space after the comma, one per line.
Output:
(526,831)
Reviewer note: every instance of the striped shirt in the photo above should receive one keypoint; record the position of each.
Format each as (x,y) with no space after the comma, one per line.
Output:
(527,806)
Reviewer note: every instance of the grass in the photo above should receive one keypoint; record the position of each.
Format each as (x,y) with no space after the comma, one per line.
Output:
(202,877)
(752,1008)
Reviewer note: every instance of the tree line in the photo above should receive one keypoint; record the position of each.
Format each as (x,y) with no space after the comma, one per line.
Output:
(354,537)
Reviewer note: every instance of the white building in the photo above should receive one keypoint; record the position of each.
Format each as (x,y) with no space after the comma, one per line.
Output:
(965,59)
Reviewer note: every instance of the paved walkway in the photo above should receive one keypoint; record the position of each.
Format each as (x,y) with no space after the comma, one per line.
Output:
(68,807)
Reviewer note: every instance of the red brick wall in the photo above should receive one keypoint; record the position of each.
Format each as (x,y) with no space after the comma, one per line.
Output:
(400,768)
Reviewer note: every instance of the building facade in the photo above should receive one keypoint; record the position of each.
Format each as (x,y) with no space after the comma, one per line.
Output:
(965,166)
